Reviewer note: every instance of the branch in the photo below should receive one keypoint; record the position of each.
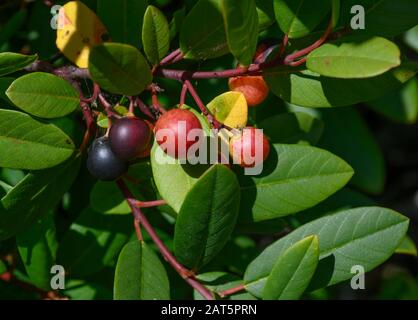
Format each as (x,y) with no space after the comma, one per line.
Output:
(225,293)
(186,274)
(173,57)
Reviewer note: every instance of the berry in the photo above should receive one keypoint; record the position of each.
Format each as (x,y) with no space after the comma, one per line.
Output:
(254,88)
(102,162)
(129,137)
(172,131)
(243,148)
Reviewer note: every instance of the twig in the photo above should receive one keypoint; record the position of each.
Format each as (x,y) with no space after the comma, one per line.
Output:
(90,126)
(171,57)
(183,94)
(150,204)
(231,291)
(186,274)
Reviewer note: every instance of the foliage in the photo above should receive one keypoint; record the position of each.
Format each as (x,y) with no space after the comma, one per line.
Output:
(138,58)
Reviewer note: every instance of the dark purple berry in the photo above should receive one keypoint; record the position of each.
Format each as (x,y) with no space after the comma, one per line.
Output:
(129,137)
(102,162)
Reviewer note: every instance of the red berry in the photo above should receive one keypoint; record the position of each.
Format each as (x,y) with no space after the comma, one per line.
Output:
(129,137)
(250,148)
(254,88)
(173,129)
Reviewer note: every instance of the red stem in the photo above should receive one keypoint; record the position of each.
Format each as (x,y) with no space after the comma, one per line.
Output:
(183,94)
(171,57)
(186,274)
(290,58)
(231,291)
(150,204)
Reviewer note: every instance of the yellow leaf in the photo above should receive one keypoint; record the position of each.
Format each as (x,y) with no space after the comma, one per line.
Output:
(79,29)
(230,108)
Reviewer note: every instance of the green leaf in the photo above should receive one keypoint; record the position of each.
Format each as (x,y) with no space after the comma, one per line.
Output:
(386,18)
(202,35)
(265,12)
(11,62)
(407,246)
(177,22)
(347,135)
(37,248)
(34,196)
(336,11)
(26,143)
(230,108)
(293,271)
(241,25)
(93,242)
(292,127)
(124,20)
(140,275)
(43,95)
(295,178)
(119,68)
(155,35)
(411,38)
(308,89)
(298,18)
(362,58)
(367,236)
(207,217)
(400,106)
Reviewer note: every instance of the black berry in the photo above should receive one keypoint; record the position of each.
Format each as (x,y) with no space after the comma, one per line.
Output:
(102,162)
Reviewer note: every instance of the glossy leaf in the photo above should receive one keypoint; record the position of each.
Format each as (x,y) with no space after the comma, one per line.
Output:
(295,178)
(119,68)
(411,38)
(298,18)
(5,83)
(26,143)
(93,242)
(230,108)
(140,275)
(37,248)
(401,105)
(292,127)
(241,25)
(407,246)
(202,34)
(11,62)
(34,196)
(362,58)
(347,135)
(43,95)
(293,271)
(207,217)
(155,35)
(367,236)
(124,20)
(78,31)
(309,89)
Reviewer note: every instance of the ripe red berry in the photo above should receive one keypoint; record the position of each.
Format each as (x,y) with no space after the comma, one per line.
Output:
(173,132)
(102,162)
(129,137)
(250,148)
(254,88)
